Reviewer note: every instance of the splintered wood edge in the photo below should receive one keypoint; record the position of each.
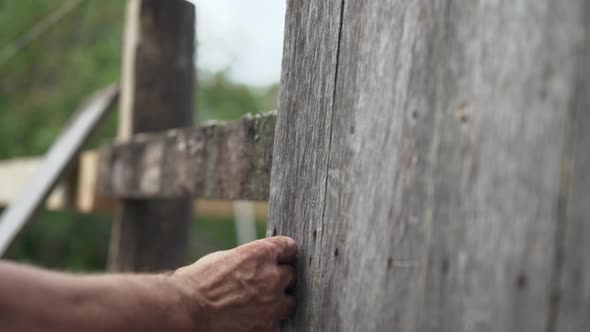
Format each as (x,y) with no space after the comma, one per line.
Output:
(223,161)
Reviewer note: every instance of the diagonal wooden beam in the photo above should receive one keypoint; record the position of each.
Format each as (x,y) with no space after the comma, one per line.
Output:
(227,161)
(56,162)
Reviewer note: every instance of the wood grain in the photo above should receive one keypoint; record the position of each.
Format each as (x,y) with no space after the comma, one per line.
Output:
(229,161)
(298,185)
(419,160)
(16,173)
(571,298)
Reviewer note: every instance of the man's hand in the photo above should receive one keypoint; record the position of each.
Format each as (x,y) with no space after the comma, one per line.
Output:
(242,289)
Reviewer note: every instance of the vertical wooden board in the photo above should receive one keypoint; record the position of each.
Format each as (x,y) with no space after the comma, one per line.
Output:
(88,200)
(573,299)
(440,209)
(492,152)
(378,193)
(164,66)
(158,94)
(302,139)
(504,101)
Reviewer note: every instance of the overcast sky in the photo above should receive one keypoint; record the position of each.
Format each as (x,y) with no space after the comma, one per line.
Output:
(246,36)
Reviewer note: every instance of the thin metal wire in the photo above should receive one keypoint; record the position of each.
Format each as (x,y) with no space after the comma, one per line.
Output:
(14,48)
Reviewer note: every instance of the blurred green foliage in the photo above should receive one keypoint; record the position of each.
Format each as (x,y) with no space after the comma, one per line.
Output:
(64,240)
(70,241)
(220,99)
(42,86)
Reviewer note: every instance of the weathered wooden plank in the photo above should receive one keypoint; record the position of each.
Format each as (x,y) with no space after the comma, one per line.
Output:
(377,200)
(55,164)
(427,199)
(229,161)
(87,200)
(504,109)
(571,311)
(16,173)
(299,176)
(157,94)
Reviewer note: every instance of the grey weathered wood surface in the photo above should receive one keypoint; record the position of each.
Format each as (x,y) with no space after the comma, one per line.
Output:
(421,163)
(228,161)
(573,295)
(157,94)
(302,144)
(56,163)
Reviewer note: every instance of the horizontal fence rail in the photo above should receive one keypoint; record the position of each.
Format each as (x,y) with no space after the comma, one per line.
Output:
(226,161)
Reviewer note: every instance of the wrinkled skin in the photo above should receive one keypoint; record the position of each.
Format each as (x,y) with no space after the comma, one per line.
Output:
(243,289)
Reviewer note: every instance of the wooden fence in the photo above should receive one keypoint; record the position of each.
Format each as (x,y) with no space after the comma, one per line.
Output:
(432,161)
(429,157)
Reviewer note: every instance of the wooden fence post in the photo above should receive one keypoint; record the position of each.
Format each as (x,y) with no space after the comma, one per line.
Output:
(431,160)
(157,94)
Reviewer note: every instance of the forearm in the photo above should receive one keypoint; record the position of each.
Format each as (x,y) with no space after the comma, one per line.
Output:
(35,300)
